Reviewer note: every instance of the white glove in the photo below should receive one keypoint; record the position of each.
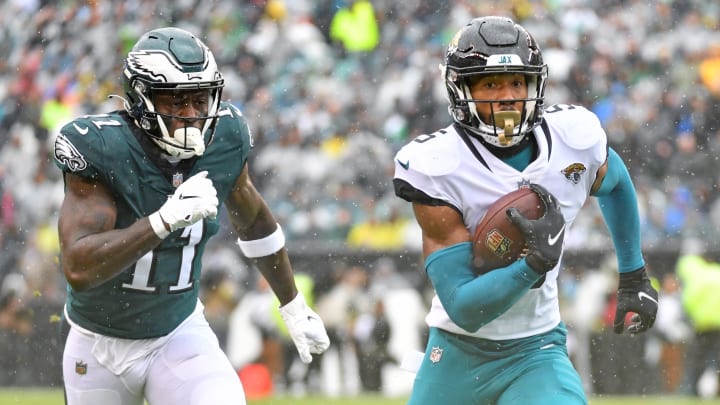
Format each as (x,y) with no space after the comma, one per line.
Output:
(192,201)
(305,328)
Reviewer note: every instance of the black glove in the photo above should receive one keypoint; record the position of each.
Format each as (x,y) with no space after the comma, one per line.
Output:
(543,236)
(635,294)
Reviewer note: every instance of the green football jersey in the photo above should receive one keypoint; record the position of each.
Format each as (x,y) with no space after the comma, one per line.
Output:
(155,294)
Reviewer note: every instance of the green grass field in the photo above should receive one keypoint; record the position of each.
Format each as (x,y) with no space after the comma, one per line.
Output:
(54,397)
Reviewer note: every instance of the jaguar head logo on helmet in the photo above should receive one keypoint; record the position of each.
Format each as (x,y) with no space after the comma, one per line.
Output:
(493,46)
(172,63)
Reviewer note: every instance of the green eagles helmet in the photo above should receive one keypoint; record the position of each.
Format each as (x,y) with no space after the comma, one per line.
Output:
(171,59)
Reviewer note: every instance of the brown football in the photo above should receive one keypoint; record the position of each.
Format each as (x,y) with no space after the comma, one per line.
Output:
(497,241)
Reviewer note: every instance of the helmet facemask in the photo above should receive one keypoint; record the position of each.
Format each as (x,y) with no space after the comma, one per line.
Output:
(172,60)
(186,141)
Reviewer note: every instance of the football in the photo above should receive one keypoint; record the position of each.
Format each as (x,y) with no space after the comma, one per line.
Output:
(497,241)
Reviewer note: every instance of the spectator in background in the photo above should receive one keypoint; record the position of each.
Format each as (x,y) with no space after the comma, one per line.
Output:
(10,238)
(16,330)
(253,333)
(673,332)
(689,162)
(339,308)
(219,296)
(709,70)
(355,26)
(585,317)
(382,234)
(401,309)
(699,276)
(371,334)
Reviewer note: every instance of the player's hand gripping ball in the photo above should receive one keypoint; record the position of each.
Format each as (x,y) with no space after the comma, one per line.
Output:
(497,241)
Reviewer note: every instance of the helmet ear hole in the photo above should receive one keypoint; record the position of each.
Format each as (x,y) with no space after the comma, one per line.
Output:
(459,114)
(136,110)
(148,125)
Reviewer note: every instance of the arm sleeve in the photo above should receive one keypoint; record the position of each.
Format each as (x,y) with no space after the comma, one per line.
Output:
(470,300)
(619,207)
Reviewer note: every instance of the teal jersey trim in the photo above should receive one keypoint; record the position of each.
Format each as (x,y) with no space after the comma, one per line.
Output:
(619,207)
(522,159)
(470,300)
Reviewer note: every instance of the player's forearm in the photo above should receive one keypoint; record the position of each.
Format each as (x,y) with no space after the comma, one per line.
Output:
(264,243)
(261,238)
(472,301)
(619,207)
(95,258)
(277,271)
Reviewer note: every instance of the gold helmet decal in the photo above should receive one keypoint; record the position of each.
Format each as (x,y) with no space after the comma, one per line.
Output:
(452,46)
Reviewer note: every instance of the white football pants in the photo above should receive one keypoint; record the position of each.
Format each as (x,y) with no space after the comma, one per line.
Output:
(186,367)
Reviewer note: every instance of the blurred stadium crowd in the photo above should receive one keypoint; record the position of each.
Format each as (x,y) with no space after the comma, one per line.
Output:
(330,92)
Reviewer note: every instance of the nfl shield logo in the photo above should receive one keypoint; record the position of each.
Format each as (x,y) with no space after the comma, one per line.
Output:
(436,354)
(177,179)
(80,367)
(497,243)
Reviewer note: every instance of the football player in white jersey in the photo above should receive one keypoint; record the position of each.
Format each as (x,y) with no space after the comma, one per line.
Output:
(497,337)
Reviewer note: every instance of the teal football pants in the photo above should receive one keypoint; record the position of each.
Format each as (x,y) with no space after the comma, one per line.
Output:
(462,370)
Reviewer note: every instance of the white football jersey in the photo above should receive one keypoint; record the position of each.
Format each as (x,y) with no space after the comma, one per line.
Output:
(458,170)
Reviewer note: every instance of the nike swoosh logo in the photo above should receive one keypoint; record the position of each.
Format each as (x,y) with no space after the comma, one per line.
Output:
(185,197)
(552,240)
(405,165)
(82,131)
(547,346)
(642,294)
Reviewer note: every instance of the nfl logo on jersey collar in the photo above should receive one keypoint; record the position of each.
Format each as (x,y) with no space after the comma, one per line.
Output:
(177,179)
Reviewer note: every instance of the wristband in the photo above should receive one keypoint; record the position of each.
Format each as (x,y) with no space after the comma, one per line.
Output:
(158,225)
(264,246)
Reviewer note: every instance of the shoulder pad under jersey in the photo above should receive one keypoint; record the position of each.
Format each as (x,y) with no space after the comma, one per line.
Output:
(85,140)
(578,127)
(431,155)
(232,121)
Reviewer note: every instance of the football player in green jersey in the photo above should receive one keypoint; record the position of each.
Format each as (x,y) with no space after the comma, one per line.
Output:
(143,187)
